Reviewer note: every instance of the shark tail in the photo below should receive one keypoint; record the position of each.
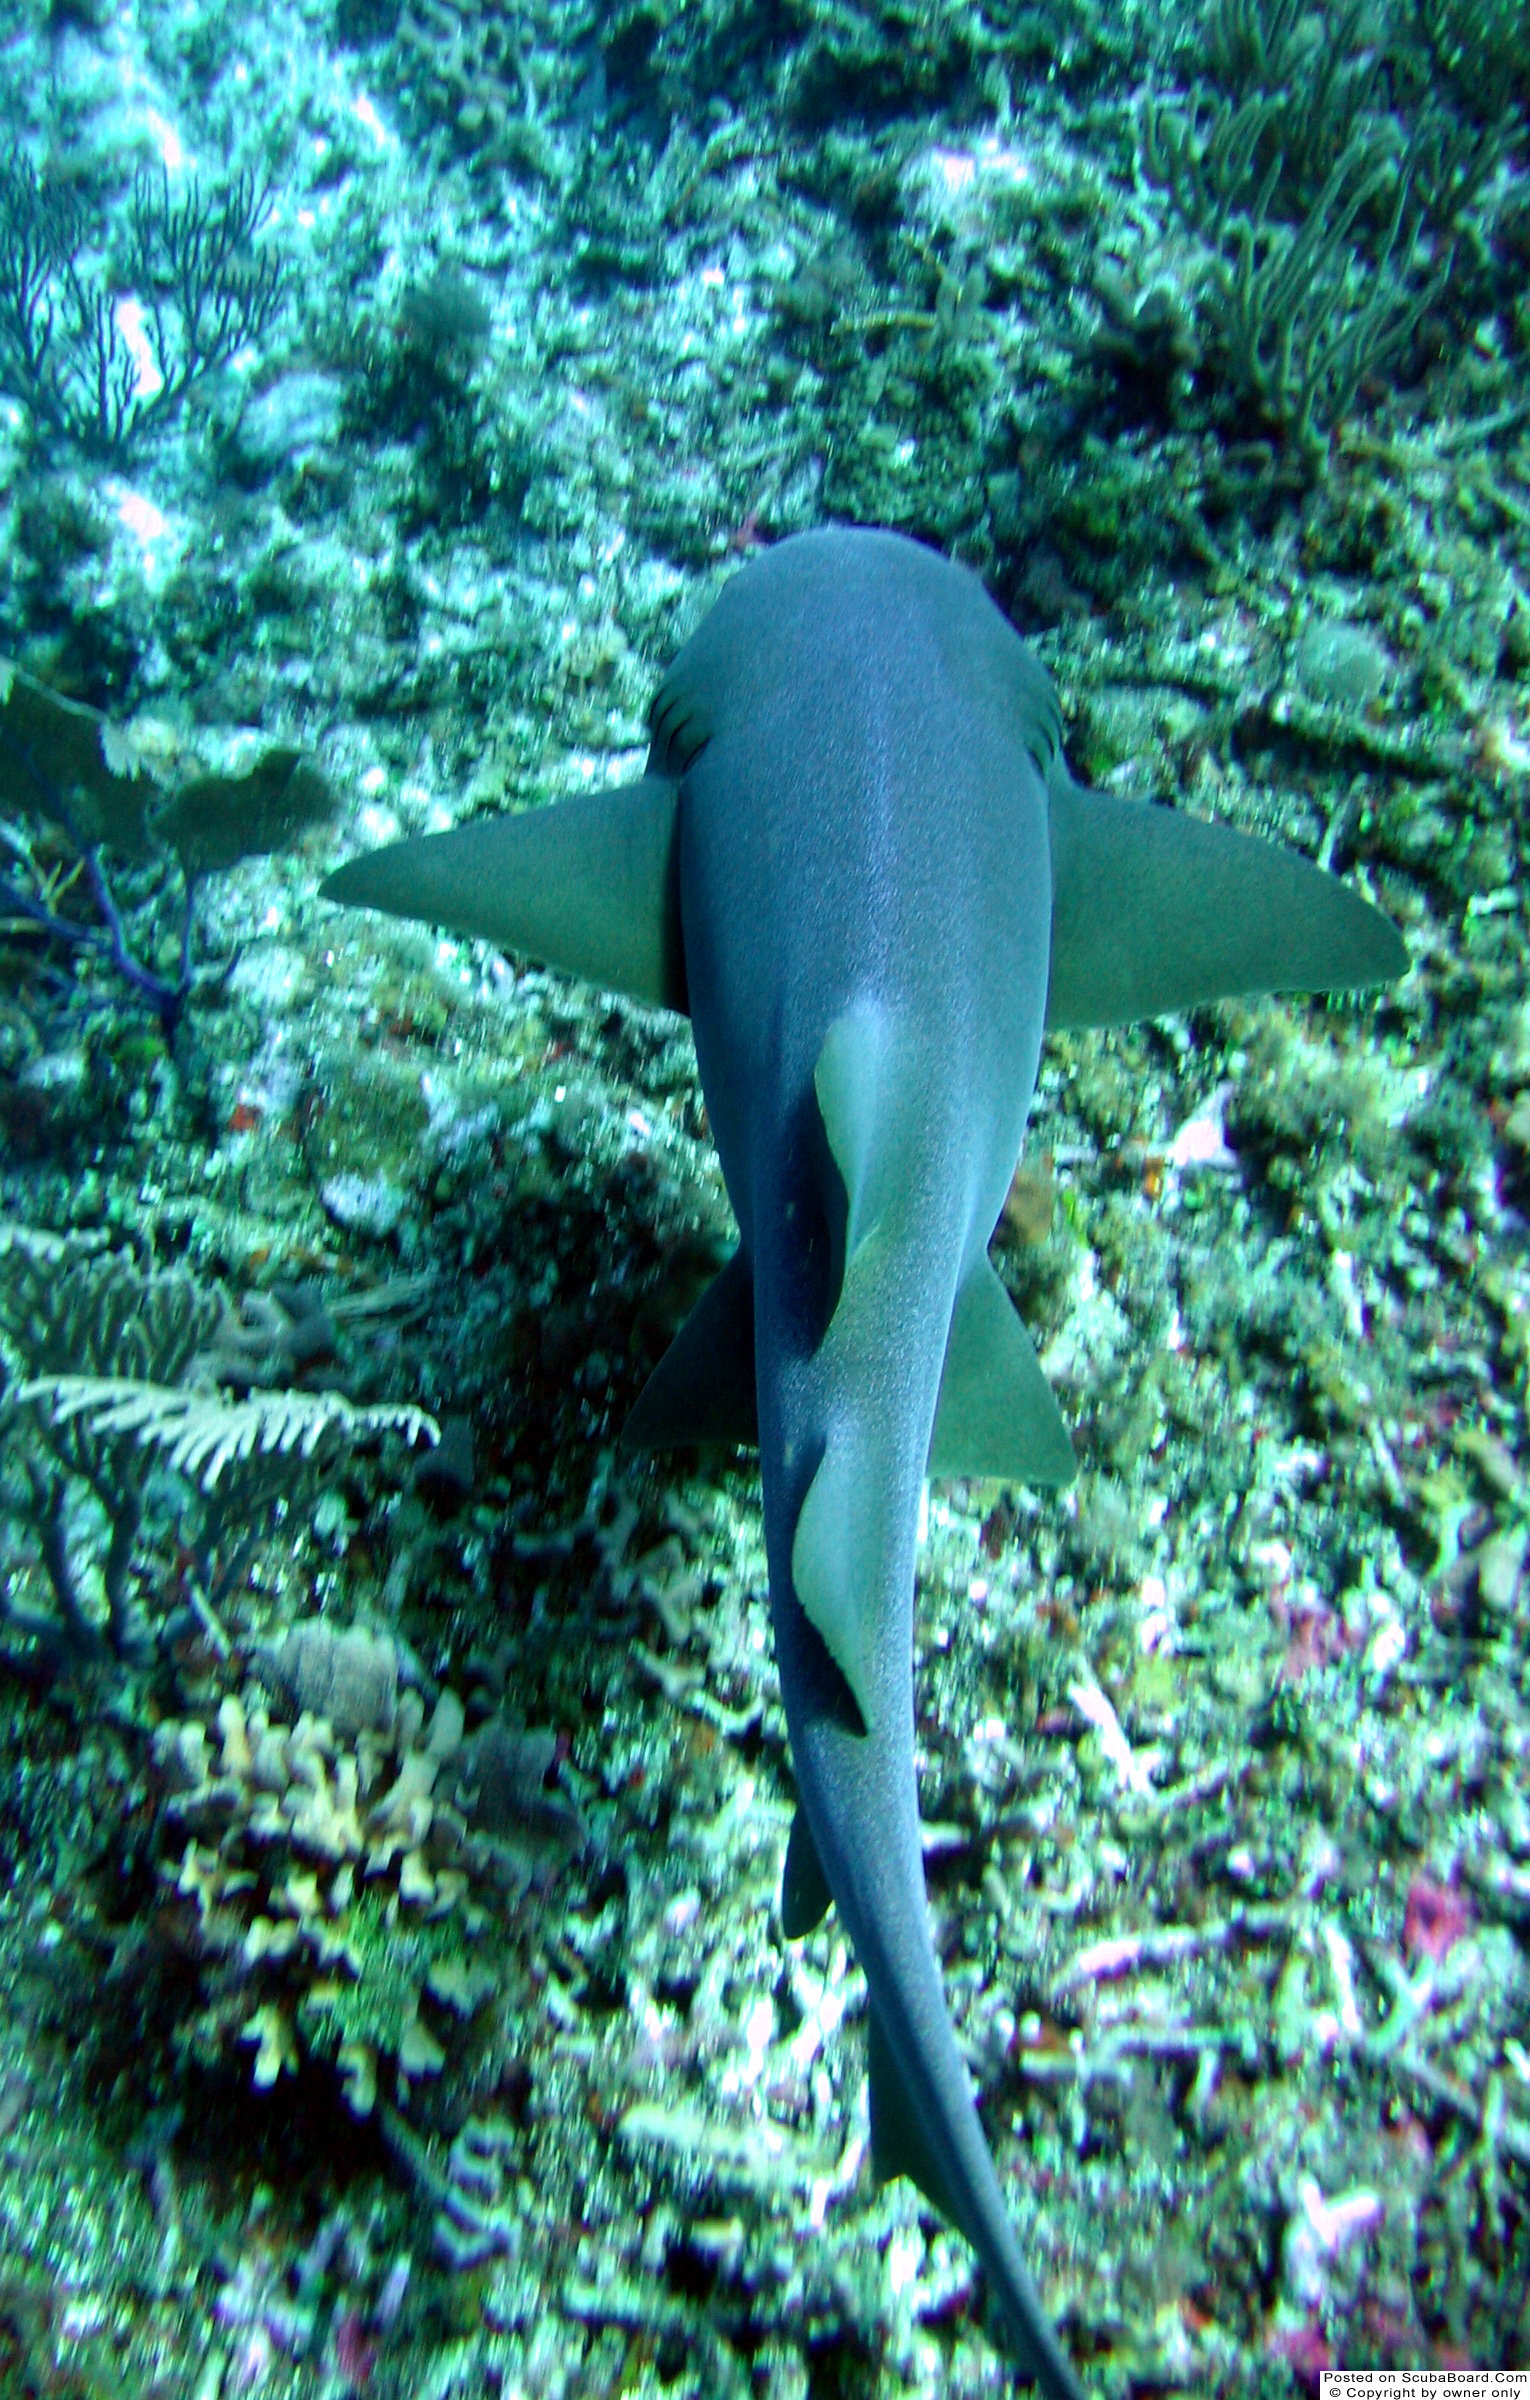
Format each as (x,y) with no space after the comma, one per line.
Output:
(857,1840)
(846,1436)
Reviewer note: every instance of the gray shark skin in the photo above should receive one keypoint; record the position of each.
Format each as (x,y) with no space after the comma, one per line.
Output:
(857,859)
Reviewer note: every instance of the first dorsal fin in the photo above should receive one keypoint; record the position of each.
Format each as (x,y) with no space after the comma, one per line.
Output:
(996,1414)
(703,1388)
(1154,911)
(591,886)
(868,1098)
(805,1895)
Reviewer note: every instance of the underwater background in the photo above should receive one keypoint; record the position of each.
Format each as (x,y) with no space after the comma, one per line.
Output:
(393,1781)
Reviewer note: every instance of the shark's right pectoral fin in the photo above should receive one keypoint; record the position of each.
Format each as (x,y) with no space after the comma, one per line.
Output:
(1155,911)
(703,1388)
(591,886)
(996,1415)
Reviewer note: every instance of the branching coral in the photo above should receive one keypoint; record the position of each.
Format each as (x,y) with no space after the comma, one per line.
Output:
(474,65)
(1323,222)
(201,1434)
(1298,92)
(192,264)
(334,1876)
(1477,49)
(1297,318)
(68,1300)
(476,2218)
(1305,319)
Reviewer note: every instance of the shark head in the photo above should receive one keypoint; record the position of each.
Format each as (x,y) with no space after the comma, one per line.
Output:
(858,861)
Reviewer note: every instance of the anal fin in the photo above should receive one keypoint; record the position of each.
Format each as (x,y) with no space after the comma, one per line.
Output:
(703,1388)
(898,2146)
(996,1414)
(805,1895)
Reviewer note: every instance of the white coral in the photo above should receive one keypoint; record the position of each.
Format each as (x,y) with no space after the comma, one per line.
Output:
(201,1432)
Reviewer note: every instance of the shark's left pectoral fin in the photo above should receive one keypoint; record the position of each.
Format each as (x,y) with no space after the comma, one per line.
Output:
(703,1388)
(590,886)
(996,1414)
(1155,911)
(898,2145)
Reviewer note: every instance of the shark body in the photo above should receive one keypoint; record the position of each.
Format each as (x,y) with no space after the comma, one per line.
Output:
(856,858)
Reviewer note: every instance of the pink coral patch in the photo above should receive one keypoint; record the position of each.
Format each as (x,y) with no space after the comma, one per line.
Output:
(1436,1917)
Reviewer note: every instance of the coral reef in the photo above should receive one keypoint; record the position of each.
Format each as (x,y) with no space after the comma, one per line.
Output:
(478,70)
(1223,1756)
(124,790)
(1321,247)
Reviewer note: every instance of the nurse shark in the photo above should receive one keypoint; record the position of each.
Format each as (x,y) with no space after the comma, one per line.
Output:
(857,860)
